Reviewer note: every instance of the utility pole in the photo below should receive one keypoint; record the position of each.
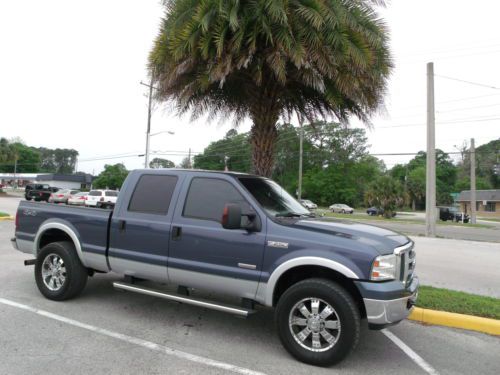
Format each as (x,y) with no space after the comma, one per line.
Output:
(148,129)
(430,187)
(301,151)
(472,182)
(189,158)
(15,171)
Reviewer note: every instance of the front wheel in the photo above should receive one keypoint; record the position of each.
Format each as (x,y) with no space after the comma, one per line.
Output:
(59,274)
(343,211)
(318,322)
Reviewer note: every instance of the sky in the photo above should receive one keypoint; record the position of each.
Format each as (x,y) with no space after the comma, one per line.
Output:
(70,74)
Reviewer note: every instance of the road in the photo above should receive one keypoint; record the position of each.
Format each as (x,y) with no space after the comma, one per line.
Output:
(106,331)
(468,266)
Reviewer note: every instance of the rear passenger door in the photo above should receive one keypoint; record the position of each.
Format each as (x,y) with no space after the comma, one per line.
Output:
(202,253)
(140,228)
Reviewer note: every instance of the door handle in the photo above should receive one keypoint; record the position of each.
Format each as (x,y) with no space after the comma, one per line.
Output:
(121,225)
(176,233)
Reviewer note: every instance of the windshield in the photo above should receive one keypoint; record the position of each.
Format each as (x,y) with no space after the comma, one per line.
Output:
(273,198)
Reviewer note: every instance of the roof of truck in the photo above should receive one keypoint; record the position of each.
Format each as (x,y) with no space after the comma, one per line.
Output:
(230,173)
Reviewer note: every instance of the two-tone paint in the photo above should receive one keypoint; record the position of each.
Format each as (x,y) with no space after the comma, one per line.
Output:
(202,254)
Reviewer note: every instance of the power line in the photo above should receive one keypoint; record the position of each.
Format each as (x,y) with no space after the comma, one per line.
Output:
(468,82)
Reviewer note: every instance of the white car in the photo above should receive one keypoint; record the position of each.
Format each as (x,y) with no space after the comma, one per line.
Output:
(342,208)
(101,198)
(308,204)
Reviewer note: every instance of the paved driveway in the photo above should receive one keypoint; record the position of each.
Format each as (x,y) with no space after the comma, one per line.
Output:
(106,331)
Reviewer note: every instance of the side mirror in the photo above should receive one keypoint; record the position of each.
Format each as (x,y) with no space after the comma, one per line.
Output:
(231,216)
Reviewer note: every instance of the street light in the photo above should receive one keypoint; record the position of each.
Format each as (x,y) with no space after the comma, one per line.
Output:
(148,138)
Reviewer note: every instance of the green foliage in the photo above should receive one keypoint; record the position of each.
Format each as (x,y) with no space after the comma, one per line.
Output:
(111,177)
(386,193)
(487,157)
(266,59)
(458,302)
(336,166)
(161,163)
(59,160)
(33,160)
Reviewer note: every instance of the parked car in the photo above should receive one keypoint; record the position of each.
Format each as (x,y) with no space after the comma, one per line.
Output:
(377,211)
(235,235)
(78,199)
(342,208)
(62,196)
(101,198)
(453,214)
(308,204)
(37,192)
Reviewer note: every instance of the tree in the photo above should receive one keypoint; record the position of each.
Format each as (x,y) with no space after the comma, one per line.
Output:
(386,193)
(161,163)
(270,59)
(417,187)
(59,160)
(185,163)
(111,177)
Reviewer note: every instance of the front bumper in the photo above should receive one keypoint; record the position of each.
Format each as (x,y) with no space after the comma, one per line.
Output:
(384,312)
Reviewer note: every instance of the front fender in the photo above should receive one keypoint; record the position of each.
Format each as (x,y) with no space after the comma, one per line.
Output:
(305,258)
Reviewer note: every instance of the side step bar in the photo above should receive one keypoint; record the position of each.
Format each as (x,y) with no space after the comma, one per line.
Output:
(240,311)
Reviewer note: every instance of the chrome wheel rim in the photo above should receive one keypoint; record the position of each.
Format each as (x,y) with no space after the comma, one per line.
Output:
(314,324)
(53,272)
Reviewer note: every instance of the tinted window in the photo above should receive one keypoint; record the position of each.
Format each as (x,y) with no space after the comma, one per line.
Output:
(95,193)
(152,194)
(208,196)
(110,193)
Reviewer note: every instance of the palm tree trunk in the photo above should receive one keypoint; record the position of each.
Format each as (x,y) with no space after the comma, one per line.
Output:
(263,138)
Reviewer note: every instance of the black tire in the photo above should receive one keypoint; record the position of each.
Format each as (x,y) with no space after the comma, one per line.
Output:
(345,308)
(28,198)
(343,211)
(76,274)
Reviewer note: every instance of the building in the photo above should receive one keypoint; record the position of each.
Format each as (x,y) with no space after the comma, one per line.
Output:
(66,181)
(487,202)
(63,181)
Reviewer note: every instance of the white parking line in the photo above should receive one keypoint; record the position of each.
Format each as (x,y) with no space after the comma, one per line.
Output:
(410,353)
(135,340)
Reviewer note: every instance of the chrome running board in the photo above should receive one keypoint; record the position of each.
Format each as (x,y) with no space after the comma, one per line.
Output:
(240,311)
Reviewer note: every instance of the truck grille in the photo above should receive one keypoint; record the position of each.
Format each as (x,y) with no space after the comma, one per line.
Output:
(406,262)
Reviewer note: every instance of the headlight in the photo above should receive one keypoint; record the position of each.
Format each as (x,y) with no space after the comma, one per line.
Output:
(384,268)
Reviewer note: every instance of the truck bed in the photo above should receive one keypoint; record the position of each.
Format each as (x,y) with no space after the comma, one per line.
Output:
(90,225)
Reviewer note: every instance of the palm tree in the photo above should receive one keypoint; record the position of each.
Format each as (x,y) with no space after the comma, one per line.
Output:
(267,59)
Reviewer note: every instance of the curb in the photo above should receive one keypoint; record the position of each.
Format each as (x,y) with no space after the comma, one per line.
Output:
(443,318)
(6,218)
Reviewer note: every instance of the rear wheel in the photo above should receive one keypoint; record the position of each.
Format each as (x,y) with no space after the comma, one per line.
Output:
(318,322)
(59,274)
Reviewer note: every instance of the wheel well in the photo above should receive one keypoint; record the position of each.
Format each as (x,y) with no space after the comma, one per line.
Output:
(53,235)
(296,274)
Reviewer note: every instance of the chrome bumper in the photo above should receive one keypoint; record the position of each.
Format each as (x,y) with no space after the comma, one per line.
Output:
(386,312)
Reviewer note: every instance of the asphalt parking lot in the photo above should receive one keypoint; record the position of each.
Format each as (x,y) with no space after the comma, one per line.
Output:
(106,331)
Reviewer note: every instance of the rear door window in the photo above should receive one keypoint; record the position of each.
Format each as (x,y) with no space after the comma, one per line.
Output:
(95,193)
(153,194)
(110,193)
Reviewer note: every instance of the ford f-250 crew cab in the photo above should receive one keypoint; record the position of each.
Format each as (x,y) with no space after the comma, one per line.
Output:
(230,234)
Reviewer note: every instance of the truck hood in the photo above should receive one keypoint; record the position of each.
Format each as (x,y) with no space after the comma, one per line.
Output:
(383,240)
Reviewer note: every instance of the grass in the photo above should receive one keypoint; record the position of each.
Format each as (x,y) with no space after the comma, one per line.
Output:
(3,214)
(489,219)
(458,302)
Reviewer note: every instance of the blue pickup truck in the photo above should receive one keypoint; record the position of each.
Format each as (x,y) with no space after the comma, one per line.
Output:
(235,235)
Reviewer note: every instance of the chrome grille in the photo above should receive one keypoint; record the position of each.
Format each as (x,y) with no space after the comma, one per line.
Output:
(406,262)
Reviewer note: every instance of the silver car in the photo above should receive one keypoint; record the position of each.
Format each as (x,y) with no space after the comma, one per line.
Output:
(78,199)
(342,208)
(61,196)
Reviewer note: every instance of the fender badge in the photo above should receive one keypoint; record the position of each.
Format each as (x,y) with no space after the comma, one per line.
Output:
(280,245)
(28,212)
